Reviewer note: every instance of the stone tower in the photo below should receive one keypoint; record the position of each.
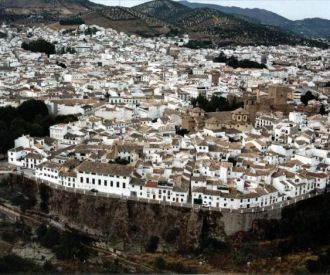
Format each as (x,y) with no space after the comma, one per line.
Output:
(279,94)
(250,106)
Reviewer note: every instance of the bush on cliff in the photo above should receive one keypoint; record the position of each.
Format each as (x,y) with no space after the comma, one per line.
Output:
(11,264)
(51,238)
(152,244)
(70,247)
(160,263)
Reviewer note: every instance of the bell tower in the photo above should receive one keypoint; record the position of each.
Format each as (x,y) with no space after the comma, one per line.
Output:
(250,106)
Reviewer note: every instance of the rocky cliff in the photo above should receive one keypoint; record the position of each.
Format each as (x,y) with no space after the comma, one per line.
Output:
(130,225)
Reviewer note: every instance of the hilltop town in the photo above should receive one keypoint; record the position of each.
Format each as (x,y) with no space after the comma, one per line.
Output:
(159,121)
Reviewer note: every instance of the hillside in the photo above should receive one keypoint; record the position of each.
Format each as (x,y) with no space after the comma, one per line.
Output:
(316,27)
(259,15)
(165,10)
(125,20)
(313,27)
(50,11)
(42,11)
(218,27)
(159,17)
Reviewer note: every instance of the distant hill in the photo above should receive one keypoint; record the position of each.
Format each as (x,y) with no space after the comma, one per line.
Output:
(42,11)
(165,10)
(159,17)
(125,20)
(314,27)
(259,15)
(51,11)
(218,27)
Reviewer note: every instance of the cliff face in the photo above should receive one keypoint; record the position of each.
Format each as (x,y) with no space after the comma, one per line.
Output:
(130,225)
(136,227)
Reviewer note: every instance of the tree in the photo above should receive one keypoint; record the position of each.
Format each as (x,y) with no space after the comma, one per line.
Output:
(44,196)
(41,231)
(181,131)
(152,244)
(235,63)
(70,247)
(39,45)
(160,263)
(72,21)
(11,264)
(221,58)
(322,110)
(51,238)
(215,104)
(307,97)
(171,235)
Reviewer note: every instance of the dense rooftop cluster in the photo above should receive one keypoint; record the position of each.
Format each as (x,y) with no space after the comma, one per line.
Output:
(138,135)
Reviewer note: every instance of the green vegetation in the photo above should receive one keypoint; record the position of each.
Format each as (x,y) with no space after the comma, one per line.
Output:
(307,97)
(174,32)
(65,119)
(66,245)
(72,21)
(321,265)
(44,197)
(323,111)
(90,31)
(11,264)
(235,63)
(160,263)
(250,251)
(171,236)
(31,117)
(181,131)
(152,244)
(199,44)
(3,35)
(215,104)
(65,50)
(176,266)
(17,195)
(40,45)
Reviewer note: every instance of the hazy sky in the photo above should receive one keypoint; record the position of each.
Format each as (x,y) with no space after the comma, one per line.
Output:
(292,9)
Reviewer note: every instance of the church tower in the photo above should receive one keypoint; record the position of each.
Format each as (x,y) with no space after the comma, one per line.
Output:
(250,106)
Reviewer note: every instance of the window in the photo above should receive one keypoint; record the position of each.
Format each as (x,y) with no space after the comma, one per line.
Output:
(117,184)
(87,180)
(99,182)
(124,185)
(81,179)
(105,183)
(111,183)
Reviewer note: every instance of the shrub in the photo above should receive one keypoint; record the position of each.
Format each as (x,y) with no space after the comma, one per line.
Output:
(51,238)
(152,244)
(160,263)
(171,236)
